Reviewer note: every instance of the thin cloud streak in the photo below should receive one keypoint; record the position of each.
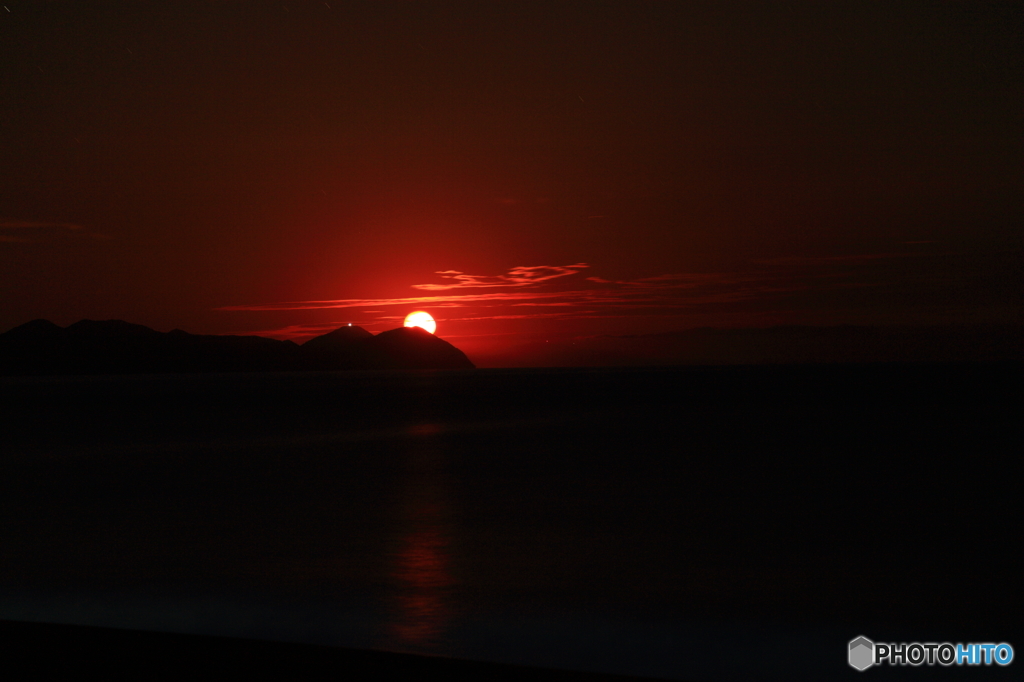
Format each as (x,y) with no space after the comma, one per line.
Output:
(666,294)
(680,280)
(820,260)
(521,276)
(44,231)
(632,291)
(9,224)
(651,295)
(452,300)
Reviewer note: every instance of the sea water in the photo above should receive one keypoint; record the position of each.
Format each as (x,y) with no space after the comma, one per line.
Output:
(690,523)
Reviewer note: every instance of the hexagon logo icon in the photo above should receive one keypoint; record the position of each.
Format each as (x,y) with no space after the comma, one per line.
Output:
(862,653)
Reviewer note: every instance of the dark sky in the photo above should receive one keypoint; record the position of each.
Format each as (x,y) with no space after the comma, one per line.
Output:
(525,170)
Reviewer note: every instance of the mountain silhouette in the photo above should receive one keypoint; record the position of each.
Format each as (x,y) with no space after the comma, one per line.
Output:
(344,348)
(412,347)
(342,337)
(40,347)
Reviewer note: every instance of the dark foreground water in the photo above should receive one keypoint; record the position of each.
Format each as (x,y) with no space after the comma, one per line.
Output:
(702,524)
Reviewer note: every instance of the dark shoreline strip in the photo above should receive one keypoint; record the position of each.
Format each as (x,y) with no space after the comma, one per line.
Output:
(35,649)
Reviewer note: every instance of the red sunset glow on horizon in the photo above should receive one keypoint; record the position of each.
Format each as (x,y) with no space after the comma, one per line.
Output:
(559,174)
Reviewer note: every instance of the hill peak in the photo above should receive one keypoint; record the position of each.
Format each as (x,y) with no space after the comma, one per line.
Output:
(340,336)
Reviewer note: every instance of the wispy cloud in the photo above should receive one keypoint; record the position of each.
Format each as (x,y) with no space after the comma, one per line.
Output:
(676,280)
(9,224)
(537,292)
(450,300)
(822,260)
(662,291)
(521,276)
(13,231)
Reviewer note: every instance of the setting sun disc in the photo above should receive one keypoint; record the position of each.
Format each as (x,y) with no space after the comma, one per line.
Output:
(422,320)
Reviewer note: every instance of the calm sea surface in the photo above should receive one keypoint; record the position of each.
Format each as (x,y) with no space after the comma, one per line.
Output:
(705,523)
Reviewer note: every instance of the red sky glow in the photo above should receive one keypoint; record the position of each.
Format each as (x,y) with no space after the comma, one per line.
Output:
(526,173)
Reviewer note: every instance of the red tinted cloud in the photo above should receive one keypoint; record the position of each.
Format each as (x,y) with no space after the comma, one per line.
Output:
(9,224)
(534,294)
(521,276)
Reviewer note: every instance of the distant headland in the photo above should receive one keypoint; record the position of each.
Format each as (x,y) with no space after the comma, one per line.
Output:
(41,347)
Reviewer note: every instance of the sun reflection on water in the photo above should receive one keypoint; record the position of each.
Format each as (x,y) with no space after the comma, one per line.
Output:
(420,572)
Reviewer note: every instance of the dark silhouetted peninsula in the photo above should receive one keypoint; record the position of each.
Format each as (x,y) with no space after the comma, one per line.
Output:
(41,347)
